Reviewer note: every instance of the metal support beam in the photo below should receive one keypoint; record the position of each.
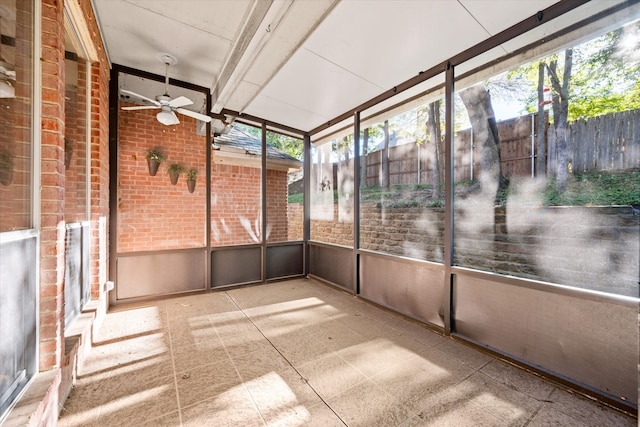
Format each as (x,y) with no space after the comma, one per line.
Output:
(263,189)
(208,140)
(356,200)
(306,216)
(449,158)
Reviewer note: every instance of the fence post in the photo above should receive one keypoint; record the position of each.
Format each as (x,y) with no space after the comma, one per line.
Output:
(533,146)
(418,163)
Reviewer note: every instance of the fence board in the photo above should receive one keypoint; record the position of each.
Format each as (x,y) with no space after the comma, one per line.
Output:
(605,142)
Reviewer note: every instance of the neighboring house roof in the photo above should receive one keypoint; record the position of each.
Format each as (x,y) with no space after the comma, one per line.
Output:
(242,149)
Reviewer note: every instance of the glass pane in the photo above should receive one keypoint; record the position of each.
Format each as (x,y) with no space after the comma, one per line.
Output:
(547,167)
(285,188)
(332,173)
(402,178)
(15,116)
(236,175)
(75,134)
(158,208)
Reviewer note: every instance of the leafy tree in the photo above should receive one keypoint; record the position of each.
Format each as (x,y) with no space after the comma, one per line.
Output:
(600,76)
(287,144)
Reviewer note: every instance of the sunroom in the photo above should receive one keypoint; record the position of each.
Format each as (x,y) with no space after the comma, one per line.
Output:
(468,170)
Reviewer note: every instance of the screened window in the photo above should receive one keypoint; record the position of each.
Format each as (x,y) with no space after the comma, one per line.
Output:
(332,191)
(551,183)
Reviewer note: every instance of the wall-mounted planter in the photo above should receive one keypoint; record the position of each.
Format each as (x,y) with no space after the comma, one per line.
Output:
(68,152)
(174,171)
(67,159)
(154,158)
(6,167)
(191,179)
(153,166)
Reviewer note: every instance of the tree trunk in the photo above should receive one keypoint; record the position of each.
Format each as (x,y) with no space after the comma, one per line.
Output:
(435,135)
(363,162)
(477,101)
(560,117)
(541,145)
(385,158)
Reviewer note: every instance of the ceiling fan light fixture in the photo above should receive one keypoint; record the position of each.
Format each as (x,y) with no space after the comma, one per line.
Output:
(167,118)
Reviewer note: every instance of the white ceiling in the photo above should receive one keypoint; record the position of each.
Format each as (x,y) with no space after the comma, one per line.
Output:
(300,63)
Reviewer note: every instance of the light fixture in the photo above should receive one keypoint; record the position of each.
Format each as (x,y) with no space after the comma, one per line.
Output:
(167,118)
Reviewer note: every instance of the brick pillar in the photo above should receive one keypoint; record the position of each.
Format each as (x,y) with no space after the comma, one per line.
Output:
(52,235)
(99,191)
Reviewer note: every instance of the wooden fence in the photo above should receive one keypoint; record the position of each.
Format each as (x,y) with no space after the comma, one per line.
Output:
(606,142)
(609,142)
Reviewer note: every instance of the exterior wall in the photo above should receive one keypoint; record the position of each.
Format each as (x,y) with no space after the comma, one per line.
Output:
(43,398)
(99,152)
(76,146)
(152,213)
(277,217)
(235,204)
(155,215)
(295,212)
(52,232)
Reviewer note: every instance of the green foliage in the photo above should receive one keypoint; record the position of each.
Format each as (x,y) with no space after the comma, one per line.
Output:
(192,174)
(605,76)
(155,154)
(600,188)
(287,144)
(175,168)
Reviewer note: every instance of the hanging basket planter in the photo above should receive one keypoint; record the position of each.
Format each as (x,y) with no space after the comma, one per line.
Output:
(154,158)
(6,176)
(67,159)
(68,152)
(191,185)
(6,167)
(191,179)
(174,171)
(153,166)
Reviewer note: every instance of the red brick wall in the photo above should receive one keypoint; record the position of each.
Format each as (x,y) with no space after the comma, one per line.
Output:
(76,141)
(53,180)
(152,213)
(155,215)
(99,165)
(277,220)
(236,208)
(235,205)
(52,233)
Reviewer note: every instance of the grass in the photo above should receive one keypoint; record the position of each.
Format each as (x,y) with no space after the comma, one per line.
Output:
(602,188)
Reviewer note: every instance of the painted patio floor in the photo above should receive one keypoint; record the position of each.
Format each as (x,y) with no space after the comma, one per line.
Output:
(300,353)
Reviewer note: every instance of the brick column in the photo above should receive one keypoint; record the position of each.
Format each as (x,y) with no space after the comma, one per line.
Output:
(99,169)
(52,234)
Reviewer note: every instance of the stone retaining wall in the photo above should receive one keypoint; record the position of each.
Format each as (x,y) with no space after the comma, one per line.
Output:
(588,247)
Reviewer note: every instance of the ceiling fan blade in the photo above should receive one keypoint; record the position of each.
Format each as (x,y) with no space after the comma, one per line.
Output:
(193,114)
(140,107)
(180,101)
(137,95)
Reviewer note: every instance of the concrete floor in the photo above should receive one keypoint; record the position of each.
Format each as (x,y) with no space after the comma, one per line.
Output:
(299,353)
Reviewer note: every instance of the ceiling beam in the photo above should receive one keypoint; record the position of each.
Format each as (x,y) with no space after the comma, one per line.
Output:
(261,17)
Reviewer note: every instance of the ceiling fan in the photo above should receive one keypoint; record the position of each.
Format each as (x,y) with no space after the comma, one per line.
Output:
(169,107)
